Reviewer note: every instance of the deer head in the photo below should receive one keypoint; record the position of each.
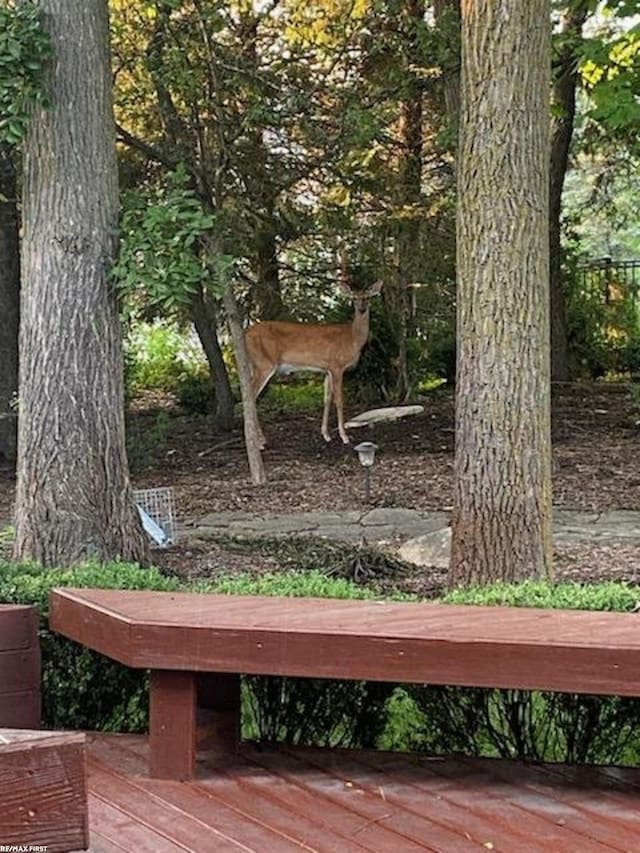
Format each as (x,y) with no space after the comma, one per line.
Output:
(360,298)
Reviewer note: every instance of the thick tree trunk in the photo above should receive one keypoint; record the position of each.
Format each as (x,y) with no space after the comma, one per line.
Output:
(564,99)
(203,314)
(74,500)
(9,302)
(502,498)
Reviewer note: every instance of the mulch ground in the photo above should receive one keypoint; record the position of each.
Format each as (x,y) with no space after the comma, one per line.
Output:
(596,464)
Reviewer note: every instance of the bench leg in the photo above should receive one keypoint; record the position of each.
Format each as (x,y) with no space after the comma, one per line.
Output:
(219,699)
(172,724)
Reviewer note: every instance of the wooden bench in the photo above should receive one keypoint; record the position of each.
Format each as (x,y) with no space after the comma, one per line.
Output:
(43,791)
(182,637)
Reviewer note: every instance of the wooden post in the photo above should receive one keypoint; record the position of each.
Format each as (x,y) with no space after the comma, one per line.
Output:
(172,724)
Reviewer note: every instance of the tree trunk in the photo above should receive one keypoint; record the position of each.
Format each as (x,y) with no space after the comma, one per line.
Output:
(447,14)
(203,314)
(267,290)
(502,494)
(249,412)
(397,295)
(74,500)
(564,99)
(9,302)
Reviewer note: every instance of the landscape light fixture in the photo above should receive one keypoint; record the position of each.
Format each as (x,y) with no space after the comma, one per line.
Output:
(366,451)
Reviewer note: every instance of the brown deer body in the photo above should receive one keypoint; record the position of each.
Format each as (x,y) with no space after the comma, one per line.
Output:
(283,347)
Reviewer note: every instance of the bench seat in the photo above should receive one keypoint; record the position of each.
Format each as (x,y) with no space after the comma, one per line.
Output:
(182,636)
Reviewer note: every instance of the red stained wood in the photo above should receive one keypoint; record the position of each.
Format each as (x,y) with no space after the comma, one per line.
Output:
(18,627)
(483,793)
(19,671)
(172,724)
(19,667)
(328,801)
(475,646)
(20,709)
(43,790)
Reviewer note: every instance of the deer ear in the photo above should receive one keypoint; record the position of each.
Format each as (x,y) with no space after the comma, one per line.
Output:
(375,289)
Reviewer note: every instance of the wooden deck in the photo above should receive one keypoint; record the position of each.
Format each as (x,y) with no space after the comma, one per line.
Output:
(277,801)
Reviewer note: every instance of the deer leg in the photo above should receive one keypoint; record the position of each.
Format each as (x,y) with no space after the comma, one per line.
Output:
(337,393)
(328,394)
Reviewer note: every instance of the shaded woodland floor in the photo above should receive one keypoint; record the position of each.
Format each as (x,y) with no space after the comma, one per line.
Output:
(596,465)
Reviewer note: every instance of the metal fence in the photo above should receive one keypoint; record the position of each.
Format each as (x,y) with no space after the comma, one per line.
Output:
(611,281)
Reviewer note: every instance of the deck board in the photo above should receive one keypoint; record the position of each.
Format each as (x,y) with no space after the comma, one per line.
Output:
(277,800)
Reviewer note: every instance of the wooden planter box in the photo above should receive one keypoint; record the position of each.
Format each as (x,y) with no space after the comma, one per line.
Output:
(19,667)
(43,791)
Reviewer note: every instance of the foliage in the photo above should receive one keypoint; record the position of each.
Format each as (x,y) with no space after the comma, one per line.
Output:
(605,596)
(293,396)
(159,357)
(531,724)
(602,319)
(609,65)
(24,50)
(316,712)
(294,584)
(161,264)
(146,437)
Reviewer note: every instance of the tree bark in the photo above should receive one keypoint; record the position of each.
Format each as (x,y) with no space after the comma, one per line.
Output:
(397,295)
(447,14)
(9,302)
(502,493)
(565,82)
(267,290)
(249,412)
(204,316)
(74,499)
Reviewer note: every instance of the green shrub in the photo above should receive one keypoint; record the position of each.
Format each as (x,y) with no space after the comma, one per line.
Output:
(532,724)
(194,393)
(609,595)
(146,438)
(292,396)
(159,357)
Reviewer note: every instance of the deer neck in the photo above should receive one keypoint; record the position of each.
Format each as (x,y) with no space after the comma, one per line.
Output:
(360,326)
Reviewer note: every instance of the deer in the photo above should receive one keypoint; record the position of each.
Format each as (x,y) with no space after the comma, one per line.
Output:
(275,346)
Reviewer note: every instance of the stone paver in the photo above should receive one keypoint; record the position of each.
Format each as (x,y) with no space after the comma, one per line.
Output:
(383,524)
(398,525)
